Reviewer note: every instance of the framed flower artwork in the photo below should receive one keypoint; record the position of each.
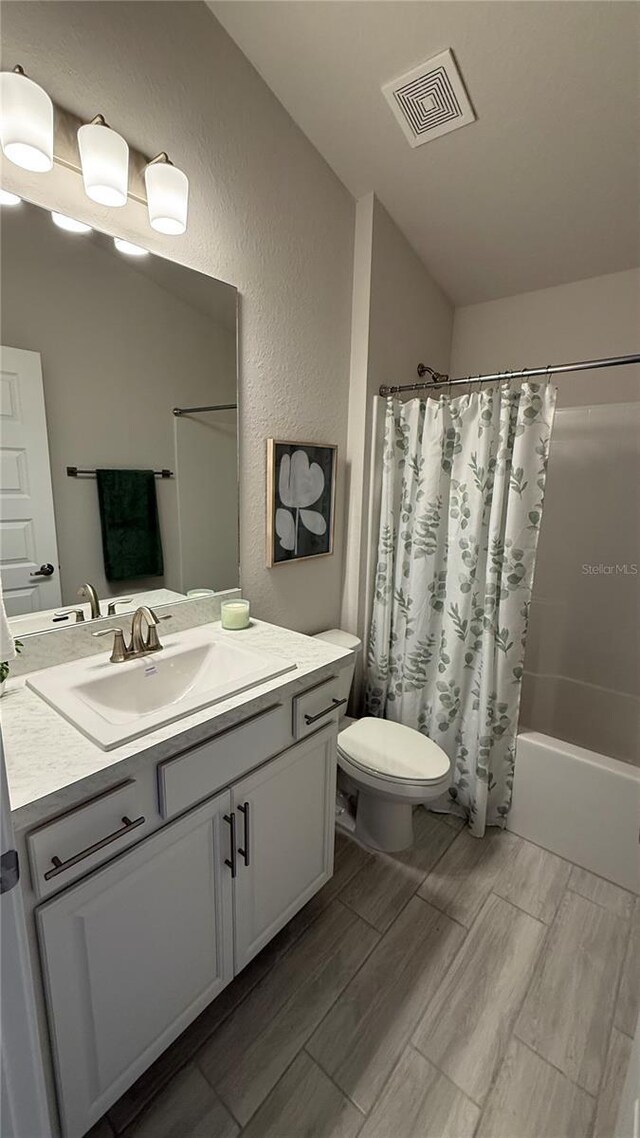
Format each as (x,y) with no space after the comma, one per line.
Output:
(301,491)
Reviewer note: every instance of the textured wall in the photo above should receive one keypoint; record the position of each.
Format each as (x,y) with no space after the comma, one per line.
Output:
(400,316)
(267,215)
(411,318)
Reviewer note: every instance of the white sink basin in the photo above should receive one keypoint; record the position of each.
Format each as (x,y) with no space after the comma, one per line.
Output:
(113,703)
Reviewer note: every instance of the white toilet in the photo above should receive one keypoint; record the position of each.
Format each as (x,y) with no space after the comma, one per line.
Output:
(393,768)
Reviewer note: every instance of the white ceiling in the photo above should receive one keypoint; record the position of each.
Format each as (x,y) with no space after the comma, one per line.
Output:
(543,189)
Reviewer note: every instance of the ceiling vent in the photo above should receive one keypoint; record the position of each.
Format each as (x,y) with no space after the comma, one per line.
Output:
(430,100)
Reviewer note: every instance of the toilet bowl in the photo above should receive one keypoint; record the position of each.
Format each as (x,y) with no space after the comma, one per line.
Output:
(392,768)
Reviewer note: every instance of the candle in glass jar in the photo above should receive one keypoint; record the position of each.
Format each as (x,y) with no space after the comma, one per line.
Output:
(235,614)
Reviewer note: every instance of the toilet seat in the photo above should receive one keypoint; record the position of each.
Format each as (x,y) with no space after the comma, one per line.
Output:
(381,751)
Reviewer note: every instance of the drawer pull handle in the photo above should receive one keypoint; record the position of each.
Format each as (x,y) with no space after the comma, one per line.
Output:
(309,719)
(59,866)
(245,851)
(232,861)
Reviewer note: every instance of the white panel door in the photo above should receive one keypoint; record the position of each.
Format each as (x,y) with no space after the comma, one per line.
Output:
(28,546)
(284,817)
(132,954)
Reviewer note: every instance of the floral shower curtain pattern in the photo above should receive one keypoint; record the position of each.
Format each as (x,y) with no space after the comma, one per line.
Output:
(462,496)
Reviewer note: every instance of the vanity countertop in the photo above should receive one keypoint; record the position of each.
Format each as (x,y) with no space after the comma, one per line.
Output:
(52,766)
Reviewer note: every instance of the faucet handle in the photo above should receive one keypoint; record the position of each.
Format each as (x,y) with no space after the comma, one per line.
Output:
(78,613)
(153,643)
(120,651)
(111,607)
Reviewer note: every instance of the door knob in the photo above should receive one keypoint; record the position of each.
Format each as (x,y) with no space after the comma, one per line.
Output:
(46,570)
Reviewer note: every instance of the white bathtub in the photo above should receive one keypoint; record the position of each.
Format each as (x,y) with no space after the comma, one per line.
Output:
(578,804)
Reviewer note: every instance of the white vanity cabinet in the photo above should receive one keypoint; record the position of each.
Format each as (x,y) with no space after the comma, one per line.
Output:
(134,951)
(284,819)
(132,954)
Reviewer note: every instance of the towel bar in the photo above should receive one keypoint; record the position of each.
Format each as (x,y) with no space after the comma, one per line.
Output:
(77,472)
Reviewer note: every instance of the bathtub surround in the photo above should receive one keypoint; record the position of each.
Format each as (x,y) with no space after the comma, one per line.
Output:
(266,213)
(462,498)
(582,680)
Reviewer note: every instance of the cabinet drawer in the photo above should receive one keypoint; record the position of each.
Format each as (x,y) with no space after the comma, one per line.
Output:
(70,846)
(318,707)
(195,775)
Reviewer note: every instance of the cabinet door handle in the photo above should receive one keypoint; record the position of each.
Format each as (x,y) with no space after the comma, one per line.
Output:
(309,719)
(232,861)
(246,849)
(59,866)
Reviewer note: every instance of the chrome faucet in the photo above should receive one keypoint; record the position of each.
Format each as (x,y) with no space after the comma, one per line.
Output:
(90,593)
(139,645)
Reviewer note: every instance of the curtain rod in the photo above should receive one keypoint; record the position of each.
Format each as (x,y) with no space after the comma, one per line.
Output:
(210,407)
(438,379)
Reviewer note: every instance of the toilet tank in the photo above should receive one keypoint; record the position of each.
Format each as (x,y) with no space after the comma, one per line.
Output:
(343,640)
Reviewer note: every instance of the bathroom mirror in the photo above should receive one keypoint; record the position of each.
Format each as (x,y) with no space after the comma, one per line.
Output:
(99,346)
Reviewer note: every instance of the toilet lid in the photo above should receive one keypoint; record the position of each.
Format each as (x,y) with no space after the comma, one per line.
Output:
(393,750)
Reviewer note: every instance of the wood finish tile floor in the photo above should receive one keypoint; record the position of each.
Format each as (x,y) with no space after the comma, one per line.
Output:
(461,989)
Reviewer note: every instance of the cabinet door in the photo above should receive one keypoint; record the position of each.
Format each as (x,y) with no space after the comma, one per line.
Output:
(284,821)
(132,954)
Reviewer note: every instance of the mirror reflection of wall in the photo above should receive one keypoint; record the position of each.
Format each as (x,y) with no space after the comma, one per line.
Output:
(121,341)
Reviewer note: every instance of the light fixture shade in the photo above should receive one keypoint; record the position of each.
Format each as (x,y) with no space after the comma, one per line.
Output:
(7,198)
(167,197)
(104,155)
(26,122)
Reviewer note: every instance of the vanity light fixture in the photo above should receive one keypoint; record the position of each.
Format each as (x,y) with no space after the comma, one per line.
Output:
(27,140)
(129,248)
(26,122)
(167,195)
(104,156)
(71,224)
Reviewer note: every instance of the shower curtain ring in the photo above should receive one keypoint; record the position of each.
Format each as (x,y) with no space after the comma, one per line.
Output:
(548,374)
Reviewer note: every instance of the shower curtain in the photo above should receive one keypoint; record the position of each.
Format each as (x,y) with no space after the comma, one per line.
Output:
(462,494)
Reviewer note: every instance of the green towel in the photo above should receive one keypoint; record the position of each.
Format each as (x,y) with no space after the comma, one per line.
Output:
(131,543)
